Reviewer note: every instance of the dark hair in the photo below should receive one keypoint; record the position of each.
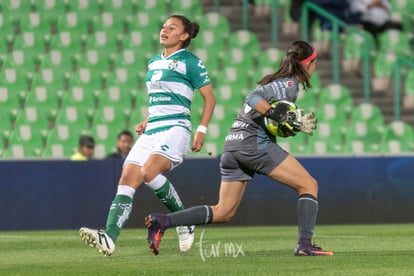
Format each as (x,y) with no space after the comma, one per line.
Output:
(125,132)
(291,64)
(86,141)
(191,28)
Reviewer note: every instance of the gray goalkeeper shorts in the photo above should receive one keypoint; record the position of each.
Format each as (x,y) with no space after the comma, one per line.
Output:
(242,165)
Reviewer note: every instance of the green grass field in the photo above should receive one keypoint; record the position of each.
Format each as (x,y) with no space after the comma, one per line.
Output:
(359,250)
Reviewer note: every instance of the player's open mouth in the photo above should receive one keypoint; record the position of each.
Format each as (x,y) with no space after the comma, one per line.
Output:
(164,37)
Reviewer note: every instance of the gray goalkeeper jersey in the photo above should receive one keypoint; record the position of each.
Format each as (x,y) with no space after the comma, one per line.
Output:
(248,131)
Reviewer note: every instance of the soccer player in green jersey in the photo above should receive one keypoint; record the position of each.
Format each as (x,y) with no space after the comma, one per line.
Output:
(250,148)
(165,136)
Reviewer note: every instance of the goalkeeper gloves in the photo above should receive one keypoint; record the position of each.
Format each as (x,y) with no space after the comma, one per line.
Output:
(308,123)
(278,113)
(292,121)
(289,121)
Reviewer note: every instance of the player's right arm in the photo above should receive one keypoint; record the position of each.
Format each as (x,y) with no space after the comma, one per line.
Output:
(208,109)
(140,127)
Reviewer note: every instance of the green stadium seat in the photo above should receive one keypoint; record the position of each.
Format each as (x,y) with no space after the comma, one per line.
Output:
(186,7)
(30,43)
(223,113)
(402,6)
(398,137)
(45,7)
(408,96)
(211,41)
(69,44)
(354,44)
(383,67)
(231,98)
(21,62)
(131,59)
(396,41)
(24,141)
(259,73)
(211,60)
(111,23)
(157,8)
(403,17)
(112,117)
(62,141)
(87,79)
(44,98)
(289,27)
(75,117)
(270,57)
(21,151)
(84,8)
(10,98)
(102,43)
(112,95)
(8,27)
(247,40)
(308,101)
(13,88)
(145,22)
(326,140)
(238,57)
(102,150)
(97,61)
(107,122)
(225,94)
(338,95)
(54,72)
(5,51)
(294,145)
(216,22)
(104,139)
(236,77)
(315,81)
(34,117)
(74,23)
(16,10)
(5,126)
(81,97)
(141,42)
(127,81)
(37,23)
(329,113)
(57,151)
(120,8)
(365,130)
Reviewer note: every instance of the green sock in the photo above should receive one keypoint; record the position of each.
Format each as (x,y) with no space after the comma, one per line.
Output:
(118,214)
(169,197)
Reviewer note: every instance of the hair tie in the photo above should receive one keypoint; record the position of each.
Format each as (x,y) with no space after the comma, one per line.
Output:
(310,58)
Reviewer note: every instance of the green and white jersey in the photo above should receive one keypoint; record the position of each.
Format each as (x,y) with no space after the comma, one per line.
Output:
(171,83)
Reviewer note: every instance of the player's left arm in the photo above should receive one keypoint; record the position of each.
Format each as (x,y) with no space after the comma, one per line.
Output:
(206,92)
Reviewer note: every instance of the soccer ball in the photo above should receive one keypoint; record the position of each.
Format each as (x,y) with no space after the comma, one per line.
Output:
(272,126)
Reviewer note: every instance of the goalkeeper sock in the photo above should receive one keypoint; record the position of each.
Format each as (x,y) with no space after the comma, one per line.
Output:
(119,212)
(307,212)
(166,192)
(197,215)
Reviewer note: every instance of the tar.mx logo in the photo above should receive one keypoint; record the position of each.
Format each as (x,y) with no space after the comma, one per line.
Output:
(218,249)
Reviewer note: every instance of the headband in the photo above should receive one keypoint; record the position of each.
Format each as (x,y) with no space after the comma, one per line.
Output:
(310,58)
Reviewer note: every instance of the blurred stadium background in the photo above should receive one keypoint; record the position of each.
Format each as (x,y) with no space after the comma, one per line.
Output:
(77,66)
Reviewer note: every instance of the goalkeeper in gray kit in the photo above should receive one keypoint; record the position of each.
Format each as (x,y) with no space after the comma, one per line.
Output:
(251,147)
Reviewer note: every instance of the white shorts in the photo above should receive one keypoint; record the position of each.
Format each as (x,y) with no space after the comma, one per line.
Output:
(173,143)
